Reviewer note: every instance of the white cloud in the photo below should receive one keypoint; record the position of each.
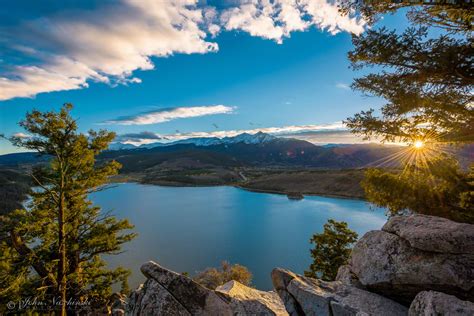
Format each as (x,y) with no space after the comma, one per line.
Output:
(277,19)
(344,86)
(104,45)
(69,49)
(168,114)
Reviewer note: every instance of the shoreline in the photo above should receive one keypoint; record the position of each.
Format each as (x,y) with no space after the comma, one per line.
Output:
(304,194)
(256,190)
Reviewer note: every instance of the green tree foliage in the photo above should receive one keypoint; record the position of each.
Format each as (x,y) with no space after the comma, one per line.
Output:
(332,249)
(426,76)
(214,277)
(427,79)
(427,83)
(440,189)
(54,248)
(451,16)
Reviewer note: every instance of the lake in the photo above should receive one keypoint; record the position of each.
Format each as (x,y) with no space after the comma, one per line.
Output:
(187,229)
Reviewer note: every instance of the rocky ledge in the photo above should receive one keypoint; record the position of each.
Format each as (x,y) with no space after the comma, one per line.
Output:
(413,254)
(168,293)
(308,296)
(415,265)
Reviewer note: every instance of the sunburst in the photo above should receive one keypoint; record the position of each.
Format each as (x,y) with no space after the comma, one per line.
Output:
(419,144)
(419,152)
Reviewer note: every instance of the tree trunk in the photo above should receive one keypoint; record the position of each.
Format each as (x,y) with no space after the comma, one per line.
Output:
(62,280)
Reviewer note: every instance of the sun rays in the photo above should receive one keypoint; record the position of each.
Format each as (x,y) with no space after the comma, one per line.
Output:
(418,144)
(419,152)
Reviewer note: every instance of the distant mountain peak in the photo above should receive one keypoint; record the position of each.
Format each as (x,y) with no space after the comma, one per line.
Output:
(246,138)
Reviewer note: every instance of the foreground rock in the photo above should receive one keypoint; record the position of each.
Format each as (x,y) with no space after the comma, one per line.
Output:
(413,254)
(168,293)
(434,303)
(248,301)
(308,296)
(431,233)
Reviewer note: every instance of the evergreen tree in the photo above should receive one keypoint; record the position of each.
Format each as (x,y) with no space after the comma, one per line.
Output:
(449,15)
(426,76)
(427,84)
(442,189)
(427,79)
(53,248)
(332,249)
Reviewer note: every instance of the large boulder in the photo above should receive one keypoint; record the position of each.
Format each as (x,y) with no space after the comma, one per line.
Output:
(430,303)
(307,296)
(432,233)
(195,298)
(346,276)
(413,254)
(168,293)
(152,298)
(248,301)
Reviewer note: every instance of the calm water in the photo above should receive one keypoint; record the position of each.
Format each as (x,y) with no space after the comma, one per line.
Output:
(189,229)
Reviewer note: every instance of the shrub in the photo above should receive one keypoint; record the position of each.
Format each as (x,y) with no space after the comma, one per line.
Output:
(214,277)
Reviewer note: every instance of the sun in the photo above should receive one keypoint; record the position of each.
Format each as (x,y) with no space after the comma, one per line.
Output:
(418,144)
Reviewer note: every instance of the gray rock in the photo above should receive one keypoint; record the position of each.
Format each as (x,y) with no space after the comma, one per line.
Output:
(387,264)
(430,303)
(153,299)
(196,299)
(432,233)
(307,296)
(168,293)
(247,301)
(346,276)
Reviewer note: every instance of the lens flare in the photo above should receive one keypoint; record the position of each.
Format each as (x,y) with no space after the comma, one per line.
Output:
(418,144)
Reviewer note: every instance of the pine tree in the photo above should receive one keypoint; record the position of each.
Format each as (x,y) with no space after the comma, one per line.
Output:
(425,74)
(54,248)
(332,249)
(441,189)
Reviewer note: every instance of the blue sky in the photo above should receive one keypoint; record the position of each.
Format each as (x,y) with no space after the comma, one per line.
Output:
(224,69)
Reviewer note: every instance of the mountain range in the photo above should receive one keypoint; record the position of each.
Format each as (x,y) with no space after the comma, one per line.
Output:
(245,138)
(244,150)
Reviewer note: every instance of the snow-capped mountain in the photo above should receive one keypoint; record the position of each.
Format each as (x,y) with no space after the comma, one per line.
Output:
(199,141)
(245,138)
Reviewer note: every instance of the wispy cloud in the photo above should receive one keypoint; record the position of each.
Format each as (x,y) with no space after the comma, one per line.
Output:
(343,86)
(141,135)
(68,50)
(169,114)
(279,131)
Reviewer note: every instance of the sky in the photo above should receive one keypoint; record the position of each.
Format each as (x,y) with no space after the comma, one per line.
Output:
(168,70)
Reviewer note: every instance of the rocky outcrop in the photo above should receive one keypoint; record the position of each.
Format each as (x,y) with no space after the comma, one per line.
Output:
(430,303)
(249,301)
(434,234)
(168,293)
(413,254)
(307,296)
(346,276)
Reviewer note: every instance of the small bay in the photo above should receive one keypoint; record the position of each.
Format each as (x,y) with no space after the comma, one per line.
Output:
(187,229)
